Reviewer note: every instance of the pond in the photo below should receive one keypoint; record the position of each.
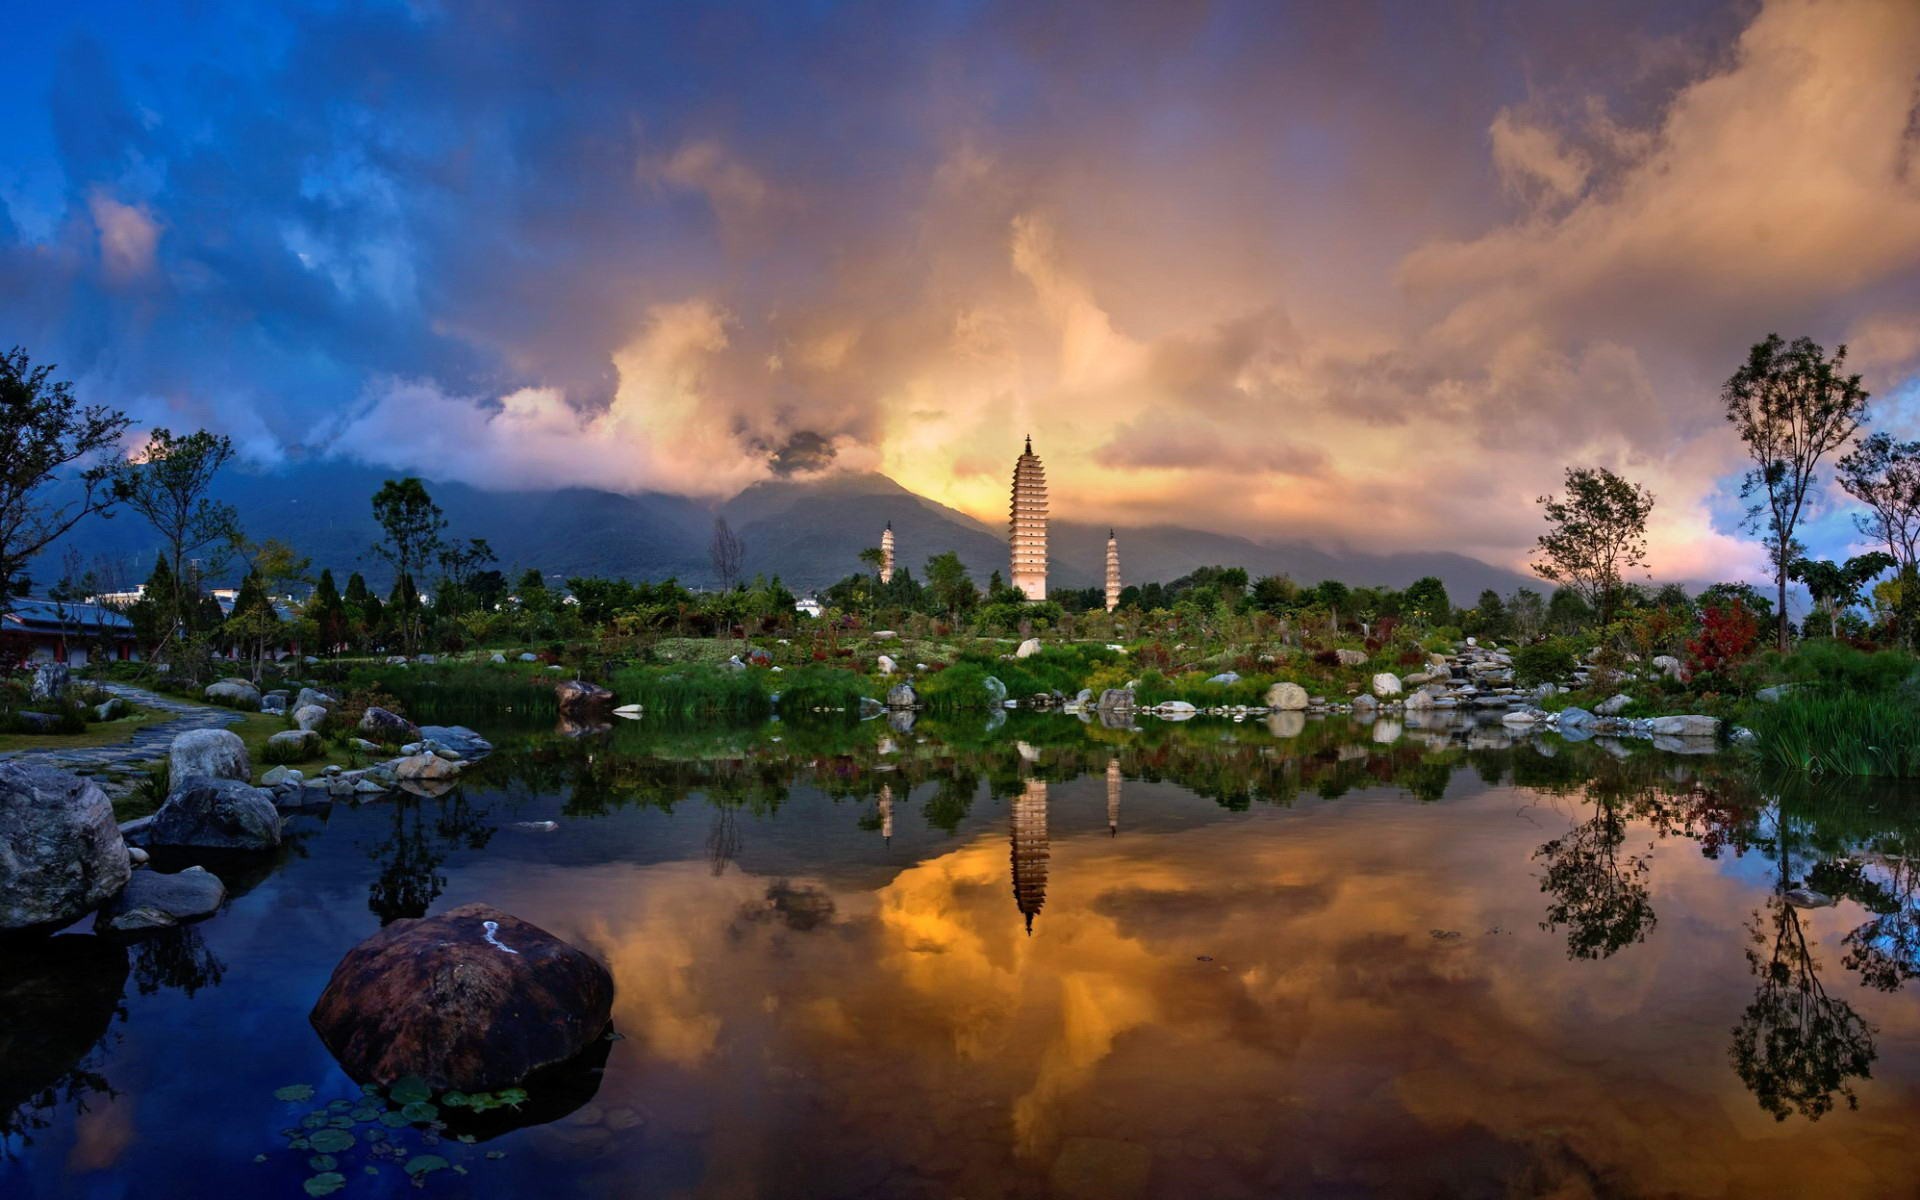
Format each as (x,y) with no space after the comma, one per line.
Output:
(1046,957)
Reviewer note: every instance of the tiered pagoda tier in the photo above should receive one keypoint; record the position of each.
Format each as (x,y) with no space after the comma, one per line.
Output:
(1113,571)
(886,554)
(1027,526)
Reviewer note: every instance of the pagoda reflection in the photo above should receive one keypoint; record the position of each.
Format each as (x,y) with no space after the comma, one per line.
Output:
(1030,851)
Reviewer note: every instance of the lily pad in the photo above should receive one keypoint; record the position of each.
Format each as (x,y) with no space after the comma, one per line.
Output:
(513,1096)
(454,1100)
(393,1120)
(410,1089)
(365,1113)
(331,1141)
(343,1121)
(325,1184)
(496,1154)
(313,1120)
(420,1112)
(425,1164)
(294,1093)
(323,1162)
(375,1134)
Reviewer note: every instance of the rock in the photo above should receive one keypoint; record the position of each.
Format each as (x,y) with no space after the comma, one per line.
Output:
(1612,706)
(1420,701)
(1691,726)
(156,901)
(273,702)
(1520,717)
(1574,717)
(529,657)
(383,726)
(1287,697)
(310,696)
(234,693)
(1350,658)
(1386,683)
(1224,677)
(578,696)
(902,695)
(426,659)
(996,691)
(1115,700)
(206,813)
(1667,665)
(213,753)
(1364,703)
(296,744)
(363,745)
(109,710)
(50,682)
(282,775)
(885,665)
(1774,694)
(61,853)
(884,634)
(1175,707)
(459,739)
(473,999)
(733,663)
(870,708)
(1028,648)
(310,717)
(425,767)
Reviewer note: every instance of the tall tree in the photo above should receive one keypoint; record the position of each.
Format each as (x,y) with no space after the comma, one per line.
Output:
(1792,406)
(1836,587)
(1884,475)
(727,553)
(412,524)
(1596,531)
(43,432)
(947,580)
(168,483)
(328,612)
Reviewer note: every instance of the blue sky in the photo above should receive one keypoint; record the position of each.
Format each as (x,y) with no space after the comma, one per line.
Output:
(1370,275)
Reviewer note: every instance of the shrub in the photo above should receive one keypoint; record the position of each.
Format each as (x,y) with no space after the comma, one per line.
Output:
(276,754)
(1727,637)
(1843,668)
(1544,662)
(962,687)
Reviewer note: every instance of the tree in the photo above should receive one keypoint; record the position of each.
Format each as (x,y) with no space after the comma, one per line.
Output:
(1426,601)
(43,432)
(168,483)
(947,580)
(1791,406)
(328,613)
(875,557)
(412,523)
(727,553)
(1596,531)
(1527,609)
(1836,587)
(1884,475)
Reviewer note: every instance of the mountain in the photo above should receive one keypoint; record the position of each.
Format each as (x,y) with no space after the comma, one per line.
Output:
(808,532)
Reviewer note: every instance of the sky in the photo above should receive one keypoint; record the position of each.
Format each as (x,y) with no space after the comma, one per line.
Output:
(1368,274)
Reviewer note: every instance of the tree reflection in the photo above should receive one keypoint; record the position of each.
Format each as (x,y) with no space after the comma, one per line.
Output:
(58,1000)
(1601,900)
(1885,951)
(410,858)
(178,959)
(723,839)
(1796,1046)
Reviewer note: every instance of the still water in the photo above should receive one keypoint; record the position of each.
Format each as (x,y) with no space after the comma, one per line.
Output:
(1052,959)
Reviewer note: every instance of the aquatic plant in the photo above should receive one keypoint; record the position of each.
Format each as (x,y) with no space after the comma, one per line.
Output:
(1824,731)
(670,693)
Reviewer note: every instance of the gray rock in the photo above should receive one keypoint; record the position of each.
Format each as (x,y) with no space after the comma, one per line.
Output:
(1028,648)
(61,854)
(213,753)
(498,660)
(108,710)
(462,741)
(1574,717)
(216,814)
(996,691)
(1224,677)
(902,695)
(1612,706)
(363,745)
(1287,697)
(309,696)
(384,726)
(1350,658)
(310,717)
(304,743)
(1667,665)
(1115,700)
(1692,725)
(156,901)
(529,657)
(1776,693)
(1386,683)
(282,775)
(234,693)
(425,767)
(50,682)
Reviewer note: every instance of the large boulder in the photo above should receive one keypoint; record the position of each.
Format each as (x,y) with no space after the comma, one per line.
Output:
(1287,697)
(50,682)
(1575,717)
(1668,666)
(156,901)
(996,691)
(312,696)
(1028,648)
(216,814)
(1386,683)
(310,717)
(1613,705)
(472,999)
(214,753)
(1693,725)
(293,745)
(383,726)
(459,739)
(902,695)
(577,696)
(61,854)
(234,693)
(1115,700)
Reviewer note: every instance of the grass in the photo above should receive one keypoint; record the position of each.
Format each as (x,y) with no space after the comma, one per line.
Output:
(1841,733)
(679,693)
(104,733)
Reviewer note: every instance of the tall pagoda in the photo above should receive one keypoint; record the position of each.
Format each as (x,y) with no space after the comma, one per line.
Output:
(886,554)
(1030,849)
(1027,526)
(1113,571)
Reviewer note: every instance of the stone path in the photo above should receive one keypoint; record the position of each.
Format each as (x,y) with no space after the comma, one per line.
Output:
(147,744)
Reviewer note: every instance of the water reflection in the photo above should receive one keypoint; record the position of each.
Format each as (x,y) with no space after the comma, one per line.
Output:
(1599,898)
(1030,853)
(58,1001)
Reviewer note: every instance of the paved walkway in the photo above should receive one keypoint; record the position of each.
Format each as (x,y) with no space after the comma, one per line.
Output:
(149,743)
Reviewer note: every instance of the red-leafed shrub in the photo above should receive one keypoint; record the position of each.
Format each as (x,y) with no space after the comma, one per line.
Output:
(1728,635)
